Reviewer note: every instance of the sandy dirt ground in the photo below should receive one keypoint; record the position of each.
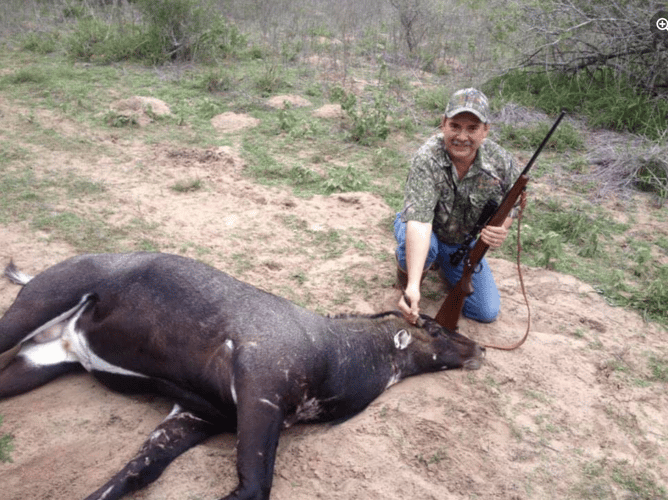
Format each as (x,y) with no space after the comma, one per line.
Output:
(573,413)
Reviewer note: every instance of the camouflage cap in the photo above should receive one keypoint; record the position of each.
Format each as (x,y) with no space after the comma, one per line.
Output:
(468,101)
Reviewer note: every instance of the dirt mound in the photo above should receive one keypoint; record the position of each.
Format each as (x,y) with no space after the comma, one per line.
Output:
(295,101)
(329,111)
(232,122)
(140,108)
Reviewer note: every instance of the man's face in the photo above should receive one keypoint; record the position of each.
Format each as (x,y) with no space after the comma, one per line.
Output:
(463,134)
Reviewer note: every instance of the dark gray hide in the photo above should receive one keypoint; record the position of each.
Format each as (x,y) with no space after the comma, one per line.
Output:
(229,355)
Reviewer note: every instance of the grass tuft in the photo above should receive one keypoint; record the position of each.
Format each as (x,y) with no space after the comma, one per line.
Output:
(6,446)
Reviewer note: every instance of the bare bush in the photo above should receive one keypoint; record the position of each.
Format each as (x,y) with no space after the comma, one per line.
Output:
(622,162)
(576,35)
(413,17)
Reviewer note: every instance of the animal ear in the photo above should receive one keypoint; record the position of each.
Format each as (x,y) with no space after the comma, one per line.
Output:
(402,339)
(432,327)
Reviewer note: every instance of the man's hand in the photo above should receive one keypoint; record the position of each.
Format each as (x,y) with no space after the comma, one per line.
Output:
(494,236)
(411,312)
(418,236)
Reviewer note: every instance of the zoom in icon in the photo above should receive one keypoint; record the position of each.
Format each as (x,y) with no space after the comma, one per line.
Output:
(659,24)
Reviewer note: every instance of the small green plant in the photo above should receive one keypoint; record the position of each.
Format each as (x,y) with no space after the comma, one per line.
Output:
(346,179)
(300,277)
(548,245)
(216,81)
(305,179)
(433,100)
(437,457)
(579,333)
(328,242)
(652,177)
(651,299)
(6,445)
(270,81)
(287,120)
(369,120)
(118,120)
(73,11)
(659,368)
(296,127)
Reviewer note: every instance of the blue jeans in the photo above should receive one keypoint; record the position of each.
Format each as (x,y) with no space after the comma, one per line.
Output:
(484,303)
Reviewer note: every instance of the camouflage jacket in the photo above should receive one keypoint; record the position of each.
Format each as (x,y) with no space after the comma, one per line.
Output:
(436,195)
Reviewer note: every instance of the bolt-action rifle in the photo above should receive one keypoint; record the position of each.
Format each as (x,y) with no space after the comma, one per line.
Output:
(448,314)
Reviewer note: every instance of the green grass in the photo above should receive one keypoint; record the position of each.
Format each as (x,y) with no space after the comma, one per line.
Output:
(639,484)
(6,446)
(599,479)
(606,100)
(565,138)
(659,368)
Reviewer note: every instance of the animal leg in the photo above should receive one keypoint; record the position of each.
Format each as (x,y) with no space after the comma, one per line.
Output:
(38,355)
(34,366)
(180,431)
(258,426)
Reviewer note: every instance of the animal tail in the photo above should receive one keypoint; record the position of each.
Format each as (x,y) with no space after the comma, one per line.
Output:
(15,276)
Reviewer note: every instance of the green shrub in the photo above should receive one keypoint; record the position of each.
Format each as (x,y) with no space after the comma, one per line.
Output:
(187,186)
(270,81)
(369,120)
(169,30)
(605,99)
(342,179)
(28,75)
(653,177)
(215,81)
(296,127)
(40,43)
(433,100)
(651,299)
(93,40)
(188,30)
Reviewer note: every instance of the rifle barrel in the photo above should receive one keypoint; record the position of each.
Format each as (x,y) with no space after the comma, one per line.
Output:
(542,144)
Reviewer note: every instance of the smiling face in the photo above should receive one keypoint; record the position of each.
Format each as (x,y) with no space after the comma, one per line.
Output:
(463,134)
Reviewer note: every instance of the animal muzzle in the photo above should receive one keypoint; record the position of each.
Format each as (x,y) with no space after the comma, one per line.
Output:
(475,362)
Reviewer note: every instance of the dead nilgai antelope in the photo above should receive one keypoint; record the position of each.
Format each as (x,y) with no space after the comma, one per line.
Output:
(231,357)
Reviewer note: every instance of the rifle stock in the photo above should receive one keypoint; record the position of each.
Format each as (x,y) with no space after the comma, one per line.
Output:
(451,309)
(448,314)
